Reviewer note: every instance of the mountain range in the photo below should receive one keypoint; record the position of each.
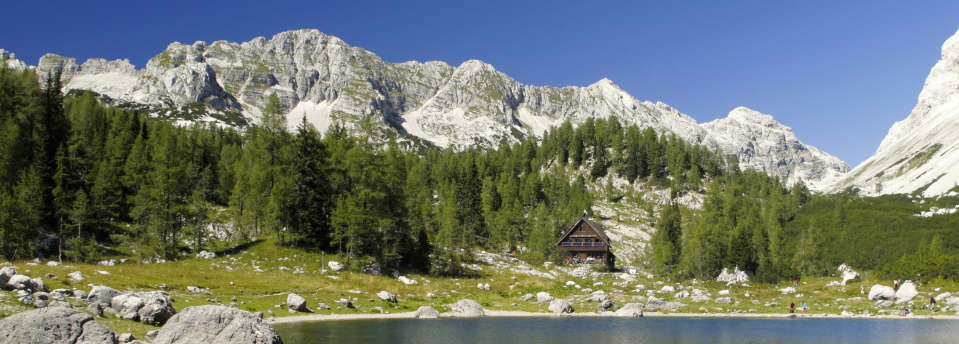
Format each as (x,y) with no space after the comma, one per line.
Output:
(325,80)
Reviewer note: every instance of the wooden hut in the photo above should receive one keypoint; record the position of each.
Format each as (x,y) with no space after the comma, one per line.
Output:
(584,242)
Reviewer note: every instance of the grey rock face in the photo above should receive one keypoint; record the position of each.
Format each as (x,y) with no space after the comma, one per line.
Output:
(467,307)
(560,306)
(883,303)
(216,325)
(630,310)
(526,297)
(426,312)
(54,325)
(296,303)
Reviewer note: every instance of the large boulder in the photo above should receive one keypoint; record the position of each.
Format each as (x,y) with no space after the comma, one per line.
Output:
(21,282)
(847,273)
(467,307)
(54,325)
(386,296)
(881,292)
(426,312)
(297,303)
(335,266)
(906,292)
(103,295)
(543,297)
(560,306)
(952,301)
(630,310)
(216,325)
(153,307)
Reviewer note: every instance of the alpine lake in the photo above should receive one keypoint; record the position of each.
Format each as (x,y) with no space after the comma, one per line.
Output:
(668,329)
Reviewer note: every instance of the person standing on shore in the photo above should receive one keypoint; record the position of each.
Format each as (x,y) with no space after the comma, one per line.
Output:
(932,303)
(804,307)
(792,308)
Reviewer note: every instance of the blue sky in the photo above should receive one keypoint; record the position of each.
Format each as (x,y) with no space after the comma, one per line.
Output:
(840,73)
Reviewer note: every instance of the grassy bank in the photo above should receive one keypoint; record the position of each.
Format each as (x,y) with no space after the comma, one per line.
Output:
(261,275)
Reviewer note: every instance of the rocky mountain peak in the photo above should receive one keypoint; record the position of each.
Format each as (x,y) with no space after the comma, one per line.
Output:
(941,87)
(920,152)
(761,143)
(746,115)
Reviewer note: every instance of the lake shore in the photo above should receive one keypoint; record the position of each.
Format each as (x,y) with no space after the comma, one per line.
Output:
(493,313)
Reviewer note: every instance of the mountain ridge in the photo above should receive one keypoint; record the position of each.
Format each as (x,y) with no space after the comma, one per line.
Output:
(322,78)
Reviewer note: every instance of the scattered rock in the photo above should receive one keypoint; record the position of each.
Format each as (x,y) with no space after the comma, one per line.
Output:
(216,324)
(53,263)
(152,335)
(735,276)
(724,292)
(56,325)
(198,290)
(598,296)
(847,273)
(787,290)
(668,289)
(206,255)
(374,269)
(560,306)
(543,297)
(681,295)
(467,307)
(659,304)
(297,303)
(943,296)
(630,310)
(75,276)
(335,266)
(881,292)
(407,281)
(346,303)
(724,300)
(426,312)
(526,297)
(386,296)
